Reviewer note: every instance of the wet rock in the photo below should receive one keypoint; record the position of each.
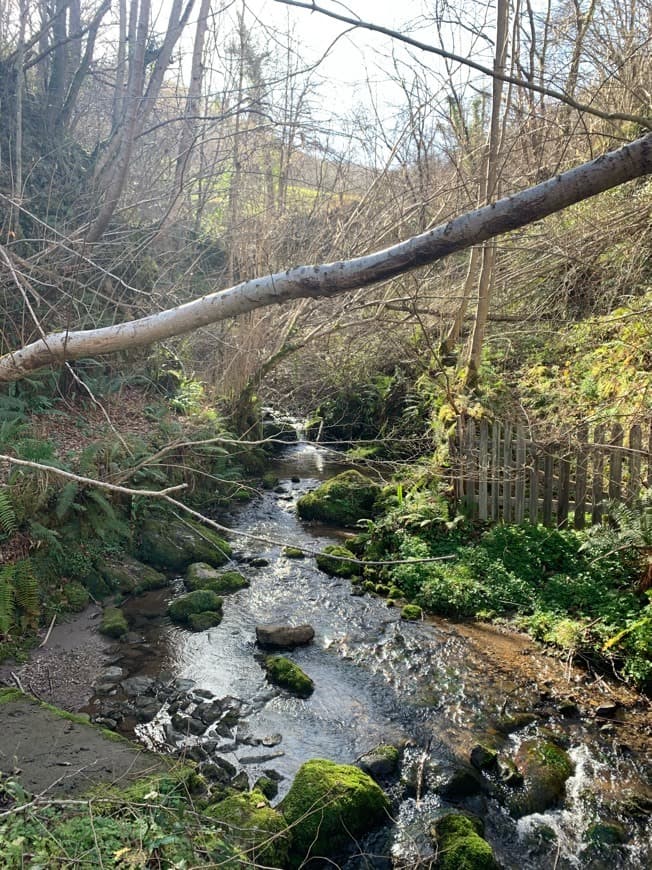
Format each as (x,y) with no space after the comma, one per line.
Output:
(606,833)
(461,783)
(509,773)
(240,781)
(113,674)
(172,545)
(138,685)
(129,576)
(259,562)
(187,608)
(568,709)
(515,722)
(272,740)
(545,768)
(260,759)
(106,722)
(284,636)
(187,724)
(196,753)
(114,623)
(209,713)
(607,710)
(483,757)
(380,763)
(203,693)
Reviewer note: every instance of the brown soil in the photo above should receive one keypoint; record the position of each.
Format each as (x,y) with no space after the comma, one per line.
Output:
(64,670)
(525,663)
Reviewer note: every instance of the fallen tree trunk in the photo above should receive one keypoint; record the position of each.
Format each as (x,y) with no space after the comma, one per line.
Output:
(617,167)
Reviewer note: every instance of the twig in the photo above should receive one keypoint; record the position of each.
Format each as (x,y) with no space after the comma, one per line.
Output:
(49,632)
(17,681)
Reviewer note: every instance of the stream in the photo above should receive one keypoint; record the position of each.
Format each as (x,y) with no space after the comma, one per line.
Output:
(379,679)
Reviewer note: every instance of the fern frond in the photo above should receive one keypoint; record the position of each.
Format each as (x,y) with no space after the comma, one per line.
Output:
(102,503)
(26,590)
(65,500)
(7,606)
(8,523)
(42,535)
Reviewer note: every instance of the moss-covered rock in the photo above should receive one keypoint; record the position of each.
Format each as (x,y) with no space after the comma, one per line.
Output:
(203,621)
(411,612)
(114,623)
(203,576)
(545,768)
(460,845)
(380,762)
(293,553)
(193,603)
(341,501)
(130,576)
(248,821)
(334,560)
(284,673)
(328,805)
(172,545)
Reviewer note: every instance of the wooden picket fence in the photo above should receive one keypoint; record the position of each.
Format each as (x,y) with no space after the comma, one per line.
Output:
(498,472)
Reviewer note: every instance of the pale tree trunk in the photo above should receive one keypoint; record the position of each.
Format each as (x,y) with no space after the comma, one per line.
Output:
(134,95)
(491,190)
(453,336)
(121,62)
(193,96)
(17,192)
(510,213)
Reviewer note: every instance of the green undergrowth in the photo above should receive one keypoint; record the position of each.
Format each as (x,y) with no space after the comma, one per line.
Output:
(578,591)
(158,821)
(61,534)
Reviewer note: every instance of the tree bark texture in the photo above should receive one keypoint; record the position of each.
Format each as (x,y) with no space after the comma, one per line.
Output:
(512,212)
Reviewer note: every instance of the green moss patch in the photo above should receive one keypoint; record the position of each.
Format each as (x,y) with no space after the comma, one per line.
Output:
(334,560)
(114,623)
(248,821)
(460,845)
(203,621)
(202,576)
(341,501)
(328,805)
(293,553)
(284,673)
(411,612)
(201,601)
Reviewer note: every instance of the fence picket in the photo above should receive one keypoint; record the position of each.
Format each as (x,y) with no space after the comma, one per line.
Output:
(504,478)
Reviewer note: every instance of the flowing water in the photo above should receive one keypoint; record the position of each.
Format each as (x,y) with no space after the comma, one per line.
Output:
(382,680)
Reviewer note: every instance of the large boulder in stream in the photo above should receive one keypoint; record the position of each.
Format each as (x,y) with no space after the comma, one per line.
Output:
(328,807)
(200,575)
(284,636)
(341,501)
(172,545)
(545,767)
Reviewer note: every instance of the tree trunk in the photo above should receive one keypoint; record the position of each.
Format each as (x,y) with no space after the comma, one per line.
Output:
(491,191)
(512,212)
